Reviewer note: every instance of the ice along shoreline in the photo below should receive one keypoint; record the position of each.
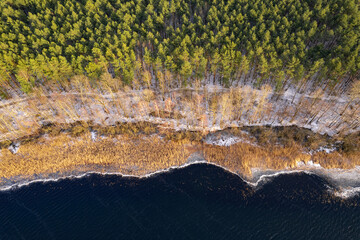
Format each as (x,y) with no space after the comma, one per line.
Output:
(256,182)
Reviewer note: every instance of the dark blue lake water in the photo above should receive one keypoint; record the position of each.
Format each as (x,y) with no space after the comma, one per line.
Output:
(197,202)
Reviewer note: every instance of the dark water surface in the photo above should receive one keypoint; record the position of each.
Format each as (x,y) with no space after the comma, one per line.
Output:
(197,202)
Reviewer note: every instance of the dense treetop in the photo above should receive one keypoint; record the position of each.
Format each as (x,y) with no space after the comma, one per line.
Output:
(179,42)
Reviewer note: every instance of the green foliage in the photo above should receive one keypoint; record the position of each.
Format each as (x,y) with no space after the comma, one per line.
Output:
(25,80)
(279,40)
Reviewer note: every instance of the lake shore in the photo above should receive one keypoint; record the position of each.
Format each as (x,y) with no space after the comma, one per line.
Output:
(140,149)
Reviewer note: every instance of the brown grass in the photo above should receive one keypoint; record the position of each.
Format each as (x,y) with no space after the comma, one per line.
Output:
(128,149)
(241,157)
(63,153)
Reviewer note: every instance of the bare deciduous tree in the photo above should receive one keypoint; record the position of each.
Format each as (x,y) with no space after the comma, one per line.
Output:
(354,95)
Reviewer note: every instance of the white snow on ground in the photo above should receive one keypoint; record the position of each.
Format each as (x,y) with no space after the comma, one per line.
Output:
(223,140)
(93,136)
(308,164)
(317,114)
(326,149)
(14,147)
(348,181)
(226,139)
(347,192)
(312,164)
(289,94)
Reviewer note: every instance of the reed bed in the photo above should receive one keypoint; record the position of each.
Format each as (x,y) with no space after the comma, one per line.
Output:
(63,153)
(242,157)
(129,149)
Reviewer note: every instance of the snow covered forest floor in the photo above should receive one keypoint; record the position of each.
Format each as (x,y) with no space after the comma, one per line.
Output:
(209,108)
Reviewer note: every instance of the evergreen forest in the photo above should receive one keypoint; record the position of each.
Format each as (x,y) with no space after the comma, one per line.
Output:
(164,44)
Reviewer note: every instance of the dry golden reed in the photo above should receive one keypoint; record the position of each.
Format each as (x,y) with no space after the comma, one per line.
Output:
(63,154)
(142,153)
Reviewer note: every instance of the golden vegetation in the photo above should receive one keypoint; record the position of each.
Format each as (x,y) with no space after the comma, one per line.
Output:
(140,148)
(63,153)
(241,157)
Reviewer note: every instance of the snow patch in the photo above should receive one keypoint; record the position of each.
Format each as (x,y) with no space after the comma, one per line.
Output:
(348,192)
(312,164)
(326,149)
(93,136)
(222,140)
(308,164)
(14,147)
